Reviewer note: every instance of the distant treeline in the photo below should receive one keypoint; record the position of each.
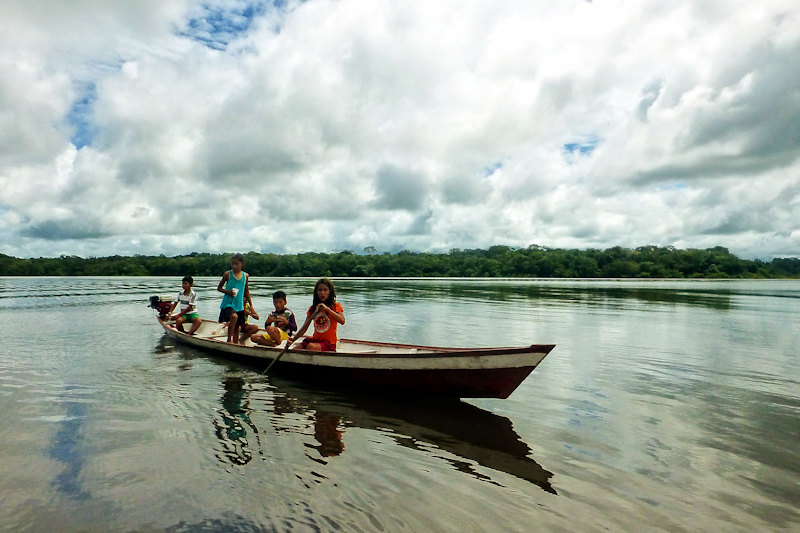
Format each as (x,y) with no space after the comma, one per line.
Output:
(496,261)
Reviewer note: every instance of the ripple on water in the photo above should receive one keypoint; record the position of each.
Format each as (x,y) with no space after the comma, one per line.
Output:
(678,406)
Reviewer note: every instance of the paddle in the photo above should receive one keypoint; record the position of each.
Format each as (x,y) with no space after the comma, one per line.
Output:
(291,340)
(288,343)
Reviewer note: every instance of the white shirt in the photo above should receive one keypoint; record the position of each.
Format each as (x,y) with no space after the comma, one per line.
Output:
(185,300)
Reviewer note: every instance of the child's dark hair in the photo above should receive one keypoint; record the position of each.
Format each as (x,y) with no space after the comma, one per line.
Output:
(237,257)
(331,296)
(189,279)
(279,294)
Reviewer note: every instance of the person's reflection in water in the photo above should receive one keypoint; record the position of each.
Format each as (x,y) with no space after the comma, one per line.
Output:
(327,433)
(231,430)
(470,439)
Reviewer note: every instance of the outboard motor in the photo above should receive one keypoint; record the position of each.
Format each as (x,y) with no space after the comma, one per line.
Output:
(161,306)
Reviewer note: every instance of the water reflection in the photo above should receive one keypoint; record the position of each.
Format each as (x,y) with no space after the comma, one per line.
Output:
(328,434)
(459,433)
(608,293)
(70,449)
(232,421)
(164,346)
(732,419)
(327,427)
(463,435)
(597,292)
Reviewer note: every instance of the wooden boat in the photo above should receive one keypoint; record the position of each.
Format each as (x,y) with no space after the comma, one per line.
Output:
(454,372)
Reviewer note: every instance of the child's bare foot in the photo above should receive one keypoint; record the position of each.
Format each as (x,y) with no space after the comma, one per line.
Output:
(264,341)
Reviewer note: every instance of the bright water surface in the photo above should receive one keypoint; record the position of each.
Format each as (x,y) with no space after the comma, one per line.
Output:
(666,405)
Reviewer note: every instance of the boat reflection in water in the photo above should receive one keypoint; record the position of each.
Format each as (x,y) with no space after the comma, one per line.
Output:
(456,432)
(459,433)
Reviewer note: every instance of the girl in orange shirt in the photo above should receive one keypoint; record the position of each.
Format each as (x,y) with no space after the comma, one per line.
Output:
(327,314)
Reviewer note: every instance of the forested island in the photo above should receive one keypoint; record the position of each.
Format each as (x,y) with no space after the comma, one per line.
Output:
(496,261)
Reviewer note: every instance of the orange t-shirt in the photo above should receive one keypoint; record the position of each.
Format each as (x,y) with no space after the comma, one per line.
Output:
(324,327)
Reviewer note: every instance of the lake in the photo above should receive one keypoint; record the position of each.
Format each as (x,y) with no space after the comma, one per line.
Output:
(666,405)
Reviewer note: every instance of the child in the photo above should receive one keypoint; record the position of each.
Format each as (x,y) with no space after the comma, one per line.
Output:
(248,328)
(326,313)
(237,291)
(282,320)
(188,310)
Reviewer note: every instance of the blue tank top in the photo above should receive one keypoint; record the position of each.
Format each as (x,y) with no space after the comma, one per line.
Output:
(236,302)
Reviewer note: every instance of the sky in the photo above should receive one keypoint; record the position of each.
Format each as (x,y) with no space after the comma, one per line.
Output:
(177,126)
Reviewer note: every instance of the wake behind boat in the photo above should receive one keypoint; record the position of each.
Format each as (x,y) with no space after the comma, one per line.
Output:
(454,372)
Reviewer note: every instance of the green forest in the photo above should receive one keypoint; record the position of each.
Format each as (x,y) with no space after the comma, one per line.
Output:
(496,261)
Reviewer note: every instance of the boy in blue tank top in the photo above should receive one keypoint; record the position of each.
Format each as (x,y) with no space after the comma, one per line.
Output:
(234,285)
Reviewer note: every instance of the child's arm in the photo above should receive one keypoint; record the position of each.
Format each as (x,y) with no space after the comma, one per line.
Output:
(222,284)
(291,325)
(302,330)
(287,324)
(309,319)
(192,304)
(247,294)
(338,317)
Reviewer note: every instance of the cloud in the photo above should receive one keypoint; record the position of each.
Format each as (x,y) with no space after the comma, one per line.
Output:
(324,125)
(650,94)
(400,188)
(33,104)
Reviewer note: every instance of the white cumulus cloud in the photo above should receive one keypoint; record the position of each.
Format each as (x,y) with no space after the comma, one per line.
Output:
(237,125)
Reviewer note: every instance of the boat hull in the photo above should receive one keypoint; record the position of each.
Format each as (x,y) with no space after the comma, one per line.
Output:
(452,372)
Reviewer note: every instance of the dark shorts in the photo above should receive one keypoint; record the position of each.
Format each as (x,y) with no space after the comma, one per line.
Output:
(325,345)
(225,316)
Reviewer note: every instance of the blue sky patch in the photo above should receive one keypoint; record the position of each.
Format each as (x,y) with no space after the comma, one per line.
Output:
(581,148)
(673,186)
(491,169)
(217,26)
(578,149)
(80,116)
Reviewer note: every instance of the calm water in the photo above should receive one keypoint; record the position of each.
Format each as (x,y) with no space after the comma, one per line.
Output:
(665,406)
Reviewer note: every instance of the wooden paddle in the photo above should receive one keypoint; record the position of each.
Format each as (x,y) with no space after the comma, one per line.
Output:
(288,343)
